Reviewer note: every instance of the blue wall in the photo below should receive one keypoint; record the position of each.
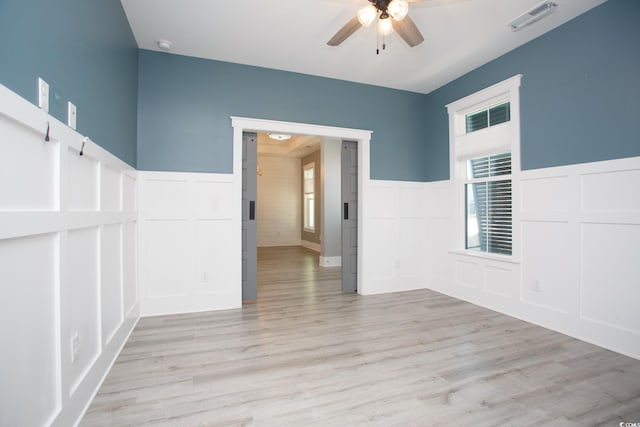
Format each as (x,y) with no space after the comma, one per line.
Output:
(185,104)
(86,52)
(579,93)
(578,97)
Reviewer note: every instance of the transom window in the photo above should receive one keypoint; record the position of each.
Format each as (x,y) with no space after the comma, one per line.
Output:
(488,117)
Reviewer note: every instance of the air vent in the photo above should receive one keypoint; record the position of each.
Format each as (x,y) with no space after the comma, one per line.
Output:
(533,15)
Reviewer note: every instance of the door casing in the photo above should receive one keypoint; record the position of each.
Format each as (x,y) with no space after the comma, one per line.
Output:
(361,137)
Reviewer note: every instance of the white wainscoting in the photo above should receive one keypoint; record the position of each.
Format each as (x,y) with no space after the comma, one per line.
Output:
(67,266)
(279,202)
(190,243)
(395,242)
(578,272)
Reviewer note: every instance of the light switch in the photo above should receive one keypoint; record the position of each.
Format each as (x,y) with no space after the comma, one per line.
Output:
(71,115)
(43,95)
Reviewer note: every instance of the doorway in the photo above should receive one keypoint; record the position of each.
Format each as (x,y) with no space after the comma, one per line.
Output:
(359,178)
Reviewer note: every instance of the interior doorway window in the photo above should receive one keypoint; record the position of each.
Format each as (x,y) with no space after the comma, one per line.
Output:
(308,201)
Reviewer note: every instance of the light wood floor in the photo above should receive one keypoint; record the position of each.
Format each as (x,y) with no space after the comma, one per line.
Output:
(305,354)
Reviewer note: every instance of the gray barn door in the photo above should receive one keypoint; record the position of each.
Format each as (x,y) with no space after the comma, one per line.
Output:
(349,216)
(249,192)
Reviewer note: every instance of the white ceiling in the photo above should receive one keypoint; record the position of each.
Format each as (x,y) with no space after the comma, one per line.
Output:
(291,35)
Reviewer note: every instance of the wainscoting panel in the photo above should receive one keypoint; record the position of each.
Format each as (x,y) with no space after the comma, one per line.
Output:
(111,280)
(129,267)
(110,181)
(547,194)
(129,193)
(610,275)
(80,320)
(168,261)
(22,153)
(165,198)
(610,191)
(189,254)
(549,278)
(501,281)
(65,246)
(578,236)
(82,181)
(30,330)
(395,242)
(469,273)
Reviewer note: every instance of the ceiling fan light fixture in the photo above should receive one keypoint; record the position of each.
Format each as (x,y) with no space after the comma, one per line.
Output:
(367,15)
(398,9)
(385,26)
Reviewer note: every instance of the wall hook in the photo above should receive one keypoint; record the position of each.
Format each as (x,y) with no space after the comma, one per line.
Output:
(84,141)
(46,135)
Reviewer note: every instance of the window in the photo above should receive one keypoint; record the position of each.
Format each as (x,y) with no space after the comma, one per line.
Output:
(484,131)
(308,202)
(488,117)
(488,213)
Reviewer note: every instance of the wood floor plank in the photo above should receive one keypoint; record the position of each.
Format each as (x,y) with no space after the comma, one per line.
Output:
(306,354)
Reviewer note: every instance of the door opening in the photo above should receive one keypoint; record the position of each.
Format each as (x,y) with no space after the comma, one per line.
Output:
(358,173)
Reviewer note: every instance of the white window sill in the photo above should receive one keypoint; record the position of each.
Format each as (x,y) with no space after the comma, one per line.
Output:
(487,256)
(309,230)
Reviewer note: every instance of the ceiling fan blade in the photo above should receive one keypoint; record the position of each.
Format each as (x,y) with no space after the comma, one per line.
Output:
(344,32)
(408,31)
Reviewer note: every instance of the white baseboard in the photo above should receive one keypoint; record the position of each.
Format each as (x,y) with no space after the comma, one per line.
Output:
(78,404)
(310,245)
(330,261)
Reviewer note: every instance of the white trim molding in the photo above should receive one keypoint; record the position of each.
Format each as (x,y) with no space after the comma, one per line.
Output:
(311,245)
(363,139)
(492,140)
(330,261)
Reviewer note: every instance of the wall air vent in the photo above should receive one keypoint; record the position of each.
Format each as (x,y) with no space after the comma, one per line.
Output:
(533,15)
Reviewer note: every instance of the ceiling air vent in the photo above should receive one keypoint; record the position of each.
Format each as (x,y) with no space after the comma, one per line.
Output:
(533,15)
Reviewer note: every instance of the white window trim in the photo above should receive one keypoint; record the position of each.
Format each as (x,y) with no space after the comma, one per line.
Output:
(310,165)
(508,89)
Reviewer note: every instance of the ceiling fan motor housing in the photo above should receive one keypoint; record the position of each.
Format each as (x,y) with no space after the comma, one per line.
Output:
(382,6)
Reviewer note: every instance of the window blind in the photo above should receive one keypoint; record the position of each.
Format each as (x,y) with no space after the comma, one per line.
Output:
(482,119)
(489,204)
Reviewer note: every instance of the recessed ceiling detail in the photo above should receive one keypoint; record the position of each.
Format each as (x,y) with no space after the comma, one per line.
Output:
(294,146)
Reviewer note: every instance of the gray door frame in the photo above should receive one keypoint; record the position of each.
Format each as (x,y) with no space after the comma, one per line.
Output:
(363,139)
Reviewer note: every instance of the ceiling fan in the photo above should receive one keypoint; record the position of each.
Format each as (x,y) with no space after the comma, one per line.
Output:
(391,15)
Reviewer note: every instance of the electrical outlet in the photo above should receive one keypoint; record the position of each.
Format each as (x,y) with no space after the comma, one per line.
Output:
(535,286)
(71,116)
(75,341)
(43,95)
